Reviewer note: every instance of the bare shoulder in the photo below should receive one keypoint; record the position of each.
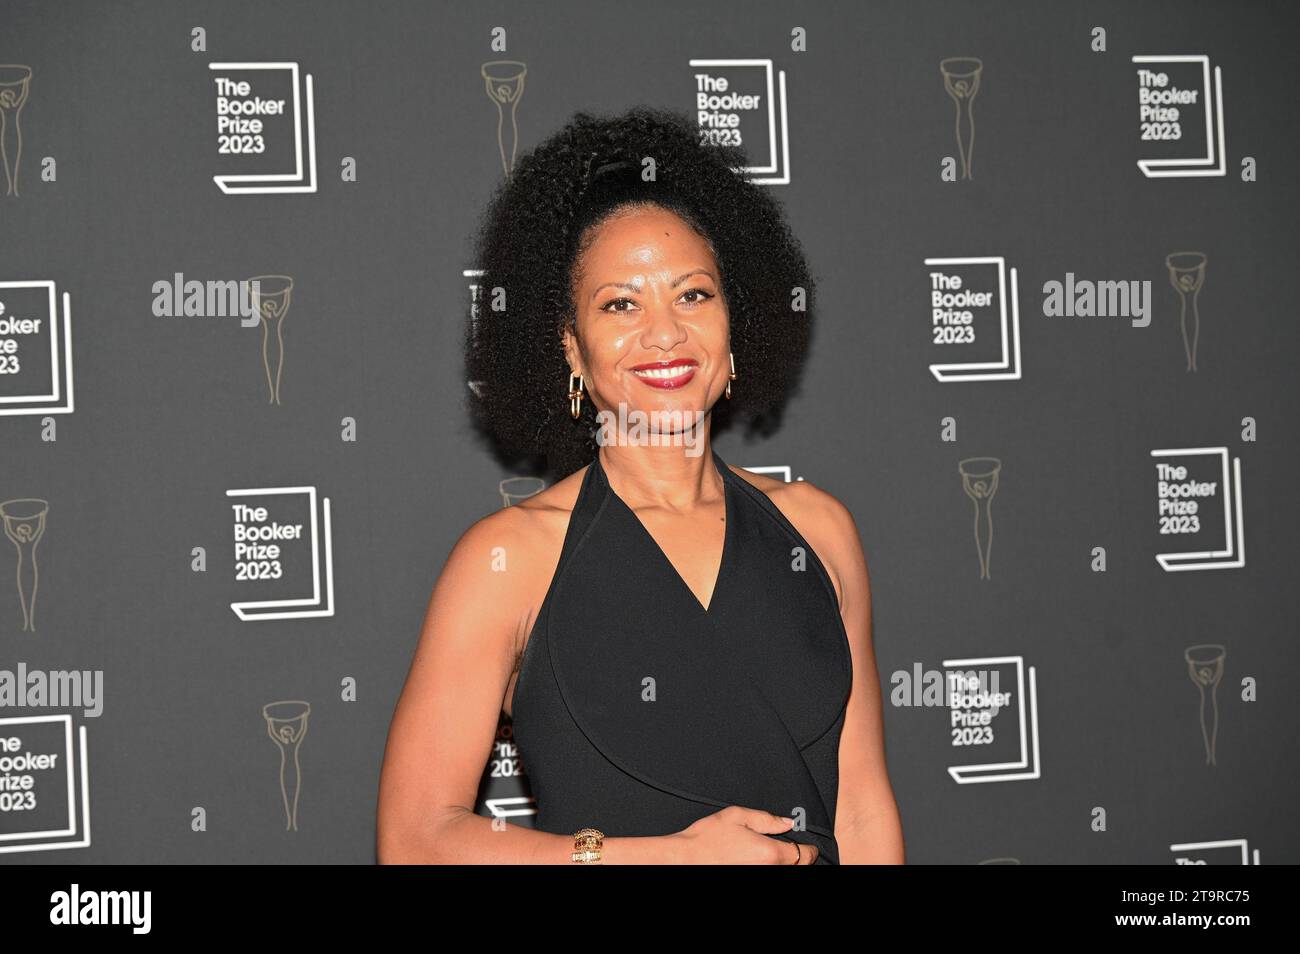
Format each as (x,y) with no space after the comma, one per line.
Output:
(533,515)
(505,560)
(810,508)
(821,518)
(532,530)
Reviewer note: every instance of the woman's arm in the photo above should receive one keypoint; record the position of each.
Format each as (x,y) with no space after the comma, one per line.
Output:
(446,719)
(867,824)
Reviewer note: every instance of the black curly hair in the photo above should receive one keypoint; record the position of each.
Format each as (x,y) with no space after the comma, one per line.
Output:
(536,226)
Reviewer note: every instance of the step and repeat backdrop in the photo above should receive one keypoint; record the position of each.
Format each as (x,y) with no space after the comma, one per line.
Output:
(1053,377)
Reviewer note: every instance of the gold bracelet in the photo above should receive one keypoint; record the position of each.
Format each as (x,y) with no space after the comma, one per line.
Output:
(587,844)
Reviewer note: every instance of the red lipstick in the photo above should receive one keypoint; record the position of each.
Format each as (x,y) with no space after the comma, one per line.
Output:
(665,375)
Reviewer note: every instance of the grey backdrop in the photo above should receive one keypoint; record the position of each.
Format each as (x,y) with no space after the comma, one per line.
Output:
(171,413)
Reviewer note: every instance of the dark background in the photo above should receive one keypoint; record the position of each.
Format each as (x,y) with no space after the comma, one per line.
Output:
(173,412)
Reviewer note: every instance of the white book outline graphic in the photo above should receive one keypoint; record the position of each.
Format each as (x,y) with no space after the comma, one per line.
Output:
(511,806)
(84,840)
(1246,854)
(1008,368)
(241,184)
(55,402)
(774,470)
(1027,766)
(1234,531)
(1214,118)
(258,609)
(765,175)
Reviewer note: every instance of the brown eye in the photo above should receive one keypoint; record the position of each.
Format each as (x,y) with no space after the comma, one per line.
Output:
(608,304)
(705,296)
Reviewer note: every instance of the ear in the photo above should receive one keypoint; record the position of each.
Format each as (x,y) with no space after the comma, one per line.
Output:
(571,354)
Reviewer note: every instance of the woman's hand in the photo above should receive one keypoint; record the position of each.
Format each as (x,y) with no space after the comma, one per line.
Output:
(738,836)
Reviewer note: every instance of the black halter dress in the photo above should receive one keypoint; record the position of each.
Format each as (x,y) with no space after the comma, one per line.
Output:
(638,711)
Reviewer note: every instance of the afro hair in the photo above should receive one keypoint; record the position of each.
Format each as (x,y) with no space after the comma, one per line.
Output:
(533,232)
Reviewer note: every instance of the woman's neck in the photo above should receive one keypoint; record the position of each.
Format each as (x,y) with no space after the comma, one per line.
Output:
(674,477)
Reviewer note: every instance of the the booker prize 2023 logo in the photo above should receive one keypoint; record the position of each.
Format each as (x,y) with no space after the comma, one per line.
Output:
(35,349)
(974,313)
(990,709)
(44,787)
(1179,116)
(741,103)
(283,553)
(1228,851)
(992,706)
(1199,517)
(265,128)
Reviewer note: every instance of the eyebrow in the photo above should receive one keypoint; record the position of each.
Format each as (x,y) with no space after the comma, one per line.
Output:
(637,288)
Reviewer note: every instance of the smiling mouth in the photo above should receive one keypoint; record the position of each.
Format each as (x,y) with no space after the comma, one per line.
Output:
(666,374)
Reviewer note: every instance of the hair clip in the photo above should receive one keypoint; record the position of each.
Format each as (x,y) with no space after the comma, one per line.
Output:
(592,174)
(611,167)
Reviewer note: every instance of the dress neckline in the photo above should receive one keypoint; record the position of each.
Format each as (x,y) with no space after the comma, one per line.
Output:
(729,519)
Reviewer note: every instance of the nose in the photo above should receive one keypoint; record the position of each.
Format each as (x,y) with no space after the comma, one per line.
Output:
(663,329)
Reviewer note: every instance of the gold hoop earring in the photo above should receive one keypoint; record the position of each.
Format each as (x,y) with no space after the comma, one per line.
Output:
(731,377)
(575,395)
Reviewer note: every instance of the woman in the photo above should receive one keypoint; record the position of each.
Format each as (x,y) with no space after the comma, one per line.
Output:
(684,647)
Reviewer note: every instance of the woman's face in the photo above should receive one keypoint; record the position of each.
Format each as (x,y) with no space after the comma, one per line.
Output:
(652,323)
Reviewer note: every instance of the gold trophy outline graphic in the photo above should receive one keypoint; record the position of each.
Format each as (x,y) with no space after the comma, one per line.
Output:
(1205,669)
(504,82)
(15,87)
(961,80)
(979,479)
(286,724)
(1187,275)
(24,524)
(271,307)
